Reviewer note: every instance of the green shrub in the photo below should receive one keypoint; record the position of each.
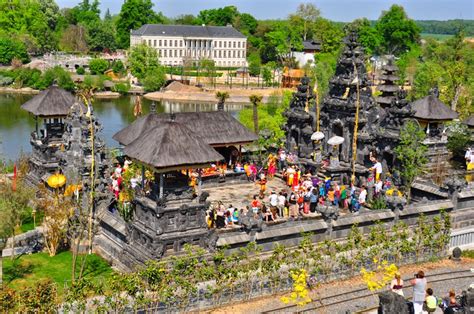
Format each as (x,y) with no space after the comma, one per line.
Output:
(94,83)
(58,74)
(122,88)
(10,49)
(98,66)
(5,80)
(118,67)
(24,77)
(80,71)
(154,79)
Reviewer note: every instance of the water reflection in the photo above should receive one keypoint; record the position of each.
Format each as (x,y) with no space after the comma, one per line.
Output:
(114,114)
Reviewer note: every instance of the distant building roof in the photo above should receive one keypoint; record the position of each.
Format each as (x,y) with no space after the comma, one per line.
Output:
(431,108)
(214,127)
(311,45)
(188,31)
(51,102)
(469,121)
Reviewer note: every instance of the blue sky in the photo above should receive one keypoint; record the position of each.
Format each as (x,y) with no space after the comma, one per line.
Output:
(338,10)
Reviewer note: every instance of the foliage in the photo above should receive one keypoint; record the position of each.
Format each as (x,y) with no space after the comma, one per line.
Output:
(118,67)
(411,153)
(380,277)
(98,66)
(368,36)
(398,32)
(451,27)
(122,88)
(304,19)
(458,138)
(254,64)
(330,34)
(255,100)
(101,36)
(154,79)
(58,75)
(10,49)
(222,96)
(93,83)
(218,17)
(300,292)
(133,14)
(80,70)
(74,39)
(282,40)
(245,23)
(142,60)
(407,64)
(378,203)
(323,71)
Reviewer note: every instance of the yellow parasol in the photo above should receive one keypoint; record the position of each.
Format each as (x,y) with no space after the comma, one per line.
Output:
(56,180)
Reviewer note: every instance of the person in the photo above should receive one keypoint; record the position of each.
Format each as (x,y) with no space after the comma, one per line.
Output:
(281,204)
(267,214)
(290,172)
(263,185)
(271,166)
(273,200)
(126,164)
(345,203)
(313,200)
(452,302)
(331,195)
(248,171)
(397,284)
(431,301)
(282,159)
(377,168)
(220,216)
(419,288)
(118,170)
(293,205)
(255,204)
(363,196)
(115,186)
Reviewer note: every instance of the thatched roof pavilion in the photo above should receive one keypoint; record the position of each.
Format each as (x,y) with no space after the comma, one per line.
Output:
(431,108)
(216,128)
(469,121)
(169,146)
(52,102)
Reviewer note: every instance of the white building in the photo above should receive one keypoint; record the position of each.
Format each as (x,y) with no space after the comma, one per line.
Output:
(177,43)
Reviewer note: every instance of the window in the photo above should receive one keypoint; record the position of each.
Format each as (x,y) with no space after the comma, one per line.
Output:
(224,54)
(164,43)
(220,53)
(164,53)
(149,42)
(159,42)
(181,53)
(176,53)
(230,45)
(225,44)
(176,43)
(238,44)
(181,43)
(233,54)
(220,44)
(215,54)
(234,44)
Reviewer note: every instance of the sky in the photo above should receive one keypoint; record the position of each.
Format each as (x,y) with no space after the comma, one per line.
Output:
(336,10)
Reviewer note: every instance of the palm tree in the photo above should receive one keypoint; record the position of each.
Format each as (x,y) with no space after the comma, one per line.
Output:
(255,100)
(221,97)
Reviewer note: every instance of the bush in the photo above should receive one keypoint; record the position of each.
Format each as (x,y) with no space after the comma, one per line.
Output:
(154,79)
(24,77)
(58,74)
(118,67)
(80,71)
(458,138)
(94,83)
(122,88)
(10,49)
(98,66)
(5,80)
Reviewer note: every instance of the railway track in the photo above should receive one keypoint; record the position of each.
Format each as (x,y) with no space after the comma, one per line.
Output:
(325,303)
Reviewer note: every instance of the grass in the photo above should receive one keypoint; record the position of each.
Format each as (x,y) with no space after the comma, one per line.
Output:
(29,269)
(28,224)
(468,253)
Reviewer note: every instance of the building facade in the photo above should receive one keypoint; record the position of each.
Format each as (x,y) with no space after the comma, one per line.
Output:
(177,44)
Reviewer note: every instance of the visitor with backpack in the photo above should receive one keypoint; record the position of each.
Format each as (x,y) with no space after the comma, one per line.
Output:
(430,302)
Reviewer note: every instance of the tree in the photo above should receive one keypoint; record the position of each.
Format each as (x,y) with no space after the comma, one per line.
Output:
(411,153)
(255,100)
(218,17)
(368,36)
(246,23)
(86,13)
(186,19)
(74,39)
(284,39)
(222,97)
(397,30)
(254,64)
(305,16)
(11,49)
(58,75)
(329,34)
(134,14)
(154,79)
(101,36)
(459,138)
(51,12)
(98,66)
(142,59)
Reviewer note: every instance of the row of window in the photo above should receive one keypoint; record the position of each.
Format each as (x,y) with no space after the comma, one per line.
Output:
(158,43)
(217,54)
(218,63)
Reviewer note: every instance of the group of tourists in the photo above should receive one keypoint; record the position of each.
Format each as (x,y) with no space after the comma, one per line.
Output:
(424,300)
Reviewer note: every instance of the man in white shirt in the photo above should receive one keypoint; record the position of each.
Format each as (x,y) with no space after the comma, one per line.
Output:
(281,204)
(273,199)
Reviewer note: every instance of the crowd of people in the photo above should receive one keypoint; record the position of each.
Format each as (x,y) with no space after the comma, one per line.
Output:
(304,192)
(424,300)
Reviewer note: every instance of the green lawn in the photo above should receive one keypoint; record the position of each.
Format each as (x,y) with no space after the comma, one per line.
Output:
(28,269)
(28,224)
(468,253)
(440,37)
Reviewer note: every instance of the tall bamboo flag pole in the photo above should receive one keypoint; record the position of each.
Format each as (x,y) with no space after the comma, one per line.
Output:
(356,123)
(315,90)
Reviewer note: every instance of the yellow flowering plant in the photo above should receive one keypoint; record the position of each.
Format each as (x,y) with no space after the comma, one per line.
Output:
(380,277)
(300,292)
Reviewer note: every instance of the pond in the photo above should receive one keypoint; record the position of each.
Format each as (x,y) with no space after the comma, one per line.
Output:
(16,124)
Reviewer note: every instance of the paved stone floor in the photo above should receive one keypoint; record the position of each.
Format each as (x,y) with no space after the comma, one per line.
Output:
(241,194)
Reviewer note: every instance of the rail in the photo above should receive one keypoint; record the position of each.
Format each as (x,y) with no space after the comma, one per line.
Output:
(462,238)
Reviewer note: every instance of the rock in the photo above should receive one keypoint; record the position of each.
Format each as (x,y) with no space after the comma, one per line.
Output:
(392,303)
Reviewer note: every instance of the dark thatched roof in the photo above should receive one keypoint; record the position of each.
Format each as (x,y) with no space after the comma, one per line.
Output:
(388,88)
(53,101)
(469,121)
(170,145)
(431,108)
(216,128)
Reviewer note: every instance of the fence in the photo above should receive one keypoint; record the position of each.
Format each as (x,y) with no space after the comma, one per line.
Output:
(462,238)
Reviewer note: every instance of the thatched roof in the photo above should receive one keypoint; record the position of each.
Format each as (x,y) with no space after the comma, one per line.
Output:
(216,128)
(388,88)
(53,101)
(170,145)
(469,121)
(431,108)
